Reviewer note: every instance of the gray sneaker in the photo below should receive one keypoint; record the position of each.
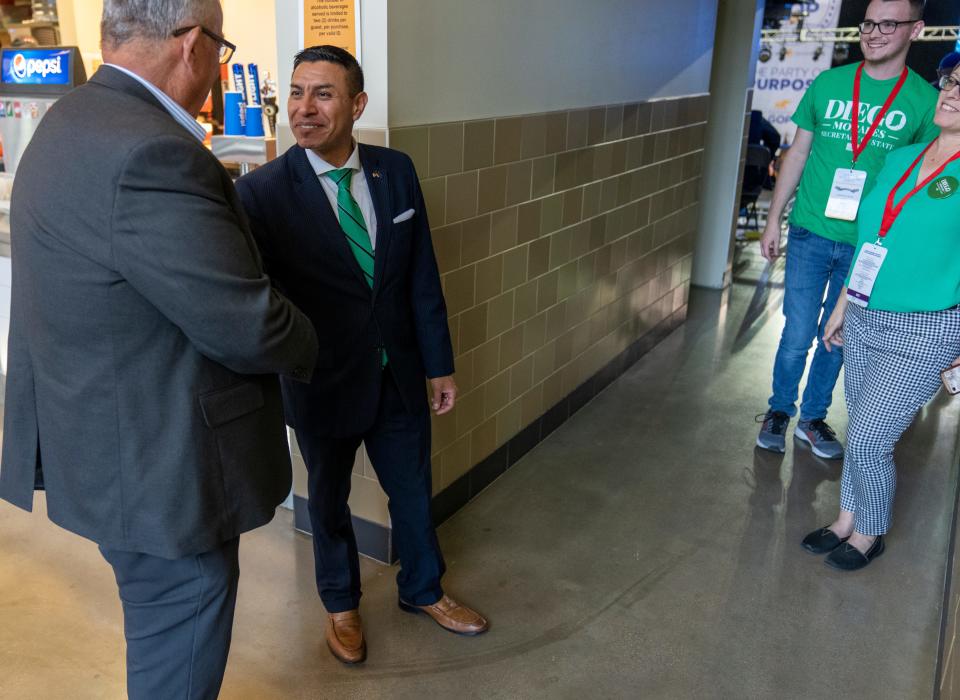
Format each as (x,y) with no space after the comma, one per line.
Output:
(821,438)
(773,431)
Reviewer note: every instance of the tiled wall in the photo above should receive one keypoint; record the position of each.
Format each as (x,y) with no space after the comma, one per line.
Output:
(565,244)
(562,238)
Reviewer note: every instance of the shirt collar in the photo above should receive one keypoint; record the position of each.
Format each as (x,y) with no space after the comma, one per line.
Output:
(176,111)
(322,167)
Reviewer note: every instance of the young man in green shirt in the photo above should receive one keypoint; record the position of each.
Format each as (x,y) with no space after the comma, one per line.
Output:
(822,158)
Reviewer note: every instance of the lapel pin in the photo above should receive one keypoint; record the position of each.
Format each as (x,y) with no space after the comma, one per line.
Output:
(375,173)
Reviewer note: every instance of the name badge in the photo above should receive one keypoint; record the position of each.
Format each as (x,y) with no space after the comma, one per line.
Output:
(845,194)
(864,273)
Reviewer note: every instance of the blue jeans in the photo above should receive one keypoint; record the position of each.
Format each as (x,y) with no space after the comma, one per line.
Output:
(816,266)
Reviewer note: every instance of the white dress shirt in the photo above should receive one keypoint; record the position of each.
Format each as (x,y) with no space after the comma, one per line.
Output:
(358,188)
(175,110)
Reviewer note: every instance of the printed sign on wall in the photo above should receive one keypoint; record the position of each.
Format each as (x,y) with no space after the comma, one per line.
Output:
(780,84)
(333,22)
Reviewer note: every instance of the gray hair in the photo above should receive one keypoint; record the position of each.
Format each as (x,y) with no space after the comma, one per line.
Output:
(153,20)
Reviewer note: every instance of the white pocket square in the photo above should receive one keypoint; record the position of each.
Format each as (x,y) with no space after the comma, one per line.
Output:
(408,214)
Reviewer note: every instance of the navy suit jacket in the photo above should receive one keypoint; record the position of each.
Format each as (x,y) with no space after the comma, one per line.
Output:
(307,255)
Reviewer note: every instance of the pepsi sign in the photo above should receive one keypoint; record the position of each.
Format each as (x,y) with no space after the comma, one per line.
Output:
(36,67)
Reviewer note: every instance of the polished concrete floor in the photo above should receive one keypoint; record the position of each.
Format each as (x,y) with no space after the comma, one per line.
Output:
(644,550)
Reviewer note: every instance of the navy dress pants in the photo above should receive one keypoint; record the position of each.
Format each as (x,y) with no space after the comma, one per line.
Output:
(398,445)
(177,620)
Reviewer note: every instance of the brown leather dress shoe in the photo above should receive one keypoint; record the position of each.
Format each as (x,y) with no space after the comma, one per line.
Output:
(345,636)
(452,616)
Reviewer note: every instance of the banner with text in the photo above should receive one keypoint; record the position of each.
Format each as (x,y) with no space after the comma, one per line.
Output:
(333,22)
(780,84)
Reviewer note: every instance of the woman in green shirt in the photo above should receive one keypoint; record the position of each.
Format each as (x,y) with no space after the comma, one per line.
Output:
(898,321)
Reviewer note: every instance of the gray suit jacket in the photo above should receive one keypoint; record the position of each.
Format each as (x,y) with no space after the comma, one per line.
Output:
(145,338)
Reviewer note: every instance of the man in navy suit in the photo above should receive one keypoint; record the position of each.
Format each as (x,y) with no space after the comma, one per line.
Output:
(344,234)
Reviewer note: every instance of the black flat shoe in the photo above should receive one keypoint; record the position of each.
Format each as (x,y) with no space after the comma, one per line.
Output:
(849,558)
(822,541)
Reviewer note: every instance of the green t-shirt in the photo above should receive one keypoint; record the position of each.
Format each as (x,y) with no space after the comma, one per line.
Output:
(921,271)
(825,110)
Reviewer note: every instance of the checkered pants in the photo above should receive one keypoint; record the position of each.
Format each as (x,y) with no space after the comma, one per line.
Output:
(892,363)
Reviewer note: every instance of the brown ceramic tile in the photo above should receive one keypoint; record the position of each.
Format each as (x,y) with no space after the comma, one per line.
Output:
(489,278)
(414,142)
(435,196)
(525,302)
(559,249)
(459,290)
(567,282)
(507,139)
(572,206)
(454,323)
(544,362)
(500,314)
(531,405)
(496,394)
(635,152)
(475,239)
(478,144)
(492,192)
(630,120)
(443,431)
(585,159)
(644,112)
(528,222)
(534,333)
(469,411)
(486,361)
(454,462)
(519,179)
(551,214)
(591,200)
(521,378)
(556,321)
(374,137)
(461,196)
(473,327)
(578,122)
(613,123)
(483,440)
(533,141)
(538,259)
(580,240)
(508,422)
(515,267)
(511,347)
(595,125)
(602,161)
(553,391)
(618,160)
(547,290)
(464,364)
(566,170)
(446,245)
(503,230)
(446,149)
(544,170)
(564,349)
(556,132)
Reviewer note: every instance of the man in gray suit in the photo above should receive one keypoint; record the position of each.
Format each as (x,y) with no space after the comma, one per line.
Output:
(145,341)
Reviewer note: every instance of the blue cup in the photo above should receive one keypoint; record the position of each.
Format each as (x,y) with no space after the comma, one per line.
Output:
(234,117)
(254,120)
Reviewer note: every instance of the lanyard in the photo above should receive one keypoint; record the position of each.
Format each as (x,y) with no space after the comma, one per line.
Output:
(858,146)
(891,211)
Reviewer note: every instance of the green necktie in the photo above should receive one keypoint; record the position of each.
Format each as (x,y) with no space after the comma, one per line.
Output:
(351,221)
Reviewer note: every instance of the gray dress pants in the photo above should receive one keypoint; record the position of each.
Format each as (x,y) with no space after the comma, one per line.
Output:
(177,620)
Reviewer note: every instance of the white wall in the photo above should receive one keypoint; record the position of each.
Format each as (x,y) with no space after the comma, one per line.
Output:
(734,66)
(464,59)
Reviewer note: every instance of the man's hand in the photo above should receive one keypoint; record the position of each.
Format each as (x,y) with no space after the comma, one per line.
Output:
(444,394)
(833,331)
(770,241)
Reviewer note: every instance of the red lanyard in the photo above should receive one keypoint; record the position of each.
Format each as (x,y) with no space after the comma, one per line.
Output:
(891,212)
(858,146)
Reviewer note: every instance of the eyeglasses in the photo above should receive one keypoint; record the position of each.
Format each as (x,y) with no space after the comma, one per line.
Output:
(948,83)
(226,48)
(886,26)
